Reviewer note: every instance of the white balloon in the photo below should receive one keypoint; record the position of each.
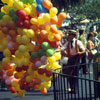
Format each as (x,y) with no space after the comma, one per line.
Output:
(64,60)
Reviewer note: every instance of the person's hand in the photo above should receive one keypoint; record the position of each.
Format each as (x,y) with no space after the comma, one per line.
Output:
(79,53)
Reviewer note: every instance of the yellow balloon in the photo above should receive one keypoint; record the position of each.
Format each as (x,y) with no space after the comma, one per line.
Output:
(1,35)
(30,71)
(19,63)
(25,39)
(24,31)
(50,37)
(2,10)
(30,33)
(19,31)
(27,10)
(33,12)
(25,61)
(55,65)
(40,21)
(28,79)
(19,39)
(20,74)
(21,93)
(6,8)
(49,67)
(10,3)
(47,84)
(47,78)
(5,42)
(48,28)
(46,17)
(7,53)
(41,86)
(6,18)
(22,48)
(57,55)
(53,11)
(1,48)
(33,21)
(27,55)
(5,1)
(14,83)
(18,5)
(52,59)
(6,60)
(30,47)
(18,54)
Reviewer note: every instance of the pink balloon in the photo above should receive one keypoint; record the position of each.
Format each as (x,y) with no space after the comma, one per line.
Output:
(38,64)
(5,76)
(9,38)
(8,81)
(10,45)
(43,59)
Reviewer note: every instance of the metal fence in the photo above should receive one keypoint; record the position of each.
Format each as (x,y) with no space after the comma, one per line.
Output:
(87,86)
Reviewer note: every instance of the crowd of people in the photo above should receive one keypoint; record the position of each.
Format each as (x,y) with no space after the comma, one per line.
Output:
(78,47)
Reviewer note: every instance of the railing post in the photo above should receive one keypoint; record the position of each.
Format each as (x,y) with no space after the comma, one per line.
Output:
(54,89)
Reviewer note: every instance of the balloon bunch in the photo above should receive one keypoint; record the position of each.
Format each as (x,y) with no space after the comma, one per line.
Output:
(29,35)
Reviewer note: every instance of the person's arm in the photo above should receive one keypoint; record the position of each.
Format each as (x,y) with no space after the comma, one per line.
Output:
(81,47)
(61,48)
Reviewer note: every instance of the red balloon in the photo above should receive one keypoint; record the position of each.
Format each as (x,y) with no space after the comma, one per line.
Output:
(27,24)
(21,14)
(48,73)
(20,23)
(38,14)
(13,90)
(41,71)
(54,44)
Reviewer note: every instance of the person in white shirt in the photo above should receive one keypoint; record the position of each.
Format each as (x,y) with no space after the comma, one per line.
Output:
(75,51)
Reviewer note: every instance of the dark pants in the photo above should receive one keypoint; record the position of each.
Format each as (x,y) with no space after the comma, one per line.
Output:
(72,69)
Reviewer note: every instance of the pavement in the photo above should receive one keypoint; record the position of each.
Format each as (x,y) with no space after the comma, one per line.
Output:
(28,96)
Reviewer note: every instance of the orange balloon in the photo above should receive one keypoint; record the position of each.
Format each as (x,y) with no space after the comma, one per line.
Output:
(59,24)
(34,27)
(43,34)
(47,4)
(16,76)
(3,24)
(6,67)
(44,91)
(61,34)
(11,25)
(53,29)
(62,16)
(36,87)
(12,33)
(5,30)
(10,72)
(38,32)
(42,27)
(54,20)
(57,37)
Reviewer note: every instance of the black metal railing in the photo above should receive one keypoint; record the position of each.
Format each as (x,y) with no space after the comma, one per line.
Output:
(85,86)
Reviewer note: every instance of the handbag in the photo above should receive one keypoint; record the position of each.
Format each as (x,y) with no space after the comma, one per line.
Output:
(93,52)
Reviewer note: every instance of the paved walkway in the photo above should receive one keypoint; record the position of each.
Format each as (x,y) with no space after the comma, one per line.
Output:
(29,96)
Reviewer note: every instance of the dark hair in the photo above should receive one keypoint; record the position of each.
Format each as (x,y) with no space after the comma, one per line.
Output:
(89,35)
(81,32)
